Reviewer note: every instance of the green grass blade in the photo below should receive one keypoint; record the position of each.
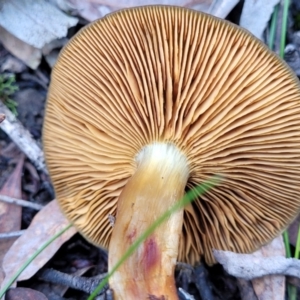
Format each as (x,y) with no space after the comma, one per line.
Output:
(281,54)
(273,27)
(292,291)
(284,27)
(287,244)
(297,250)
(188,198)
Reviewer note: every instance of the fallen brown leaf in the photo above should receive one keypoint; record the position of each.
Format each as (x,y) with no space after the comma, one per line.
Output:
(256,15)
(13,65)
(94,9)
(246,289)
(293,231)
(30,55)
(11,151)
(221,8)
(35,22)
(24,31)
(293,280)
(51,50)
(10,214)
(45,224)
(24,294)
(271,287)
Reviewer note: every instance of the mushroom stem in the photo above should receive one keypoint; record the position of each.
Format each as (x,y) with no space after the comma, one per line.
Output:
(158,183)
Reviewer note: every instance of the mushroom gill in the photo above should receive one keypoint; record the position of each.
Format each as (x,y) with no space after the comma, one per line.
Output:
(177,79)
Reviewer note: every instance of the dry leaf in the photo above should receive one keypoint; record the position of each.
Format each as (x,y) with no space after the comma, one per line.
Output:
(31,56)
(246,289)
(10,214)
(2,117)
(51,50)
(11,151)
(293,231)
(256,15)
(24,294)
(13,65)
(221,8)
(293,280)
(271,287)
(45,224)
(34,22)
(94,9)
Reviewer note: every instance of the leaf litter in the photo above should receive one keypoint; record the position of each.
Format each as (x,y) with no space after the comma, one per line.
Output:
(10,214)
(45,224)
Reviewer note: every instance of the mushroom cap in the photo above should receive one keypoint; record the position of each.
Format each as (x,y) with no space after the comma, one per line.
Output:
(173,75)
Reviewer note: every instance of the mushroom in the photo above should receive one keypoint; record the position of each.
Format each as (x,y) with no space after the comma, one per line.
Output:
(146,103)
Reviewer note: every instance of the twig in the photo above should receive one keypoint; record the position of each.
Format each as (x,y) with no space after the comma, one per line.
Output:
(22,138)
(247,267)
(185,275)
(12,234)
(84,284)
(202,283)
(20,202)
(186,295)
(27,76)
(2,117)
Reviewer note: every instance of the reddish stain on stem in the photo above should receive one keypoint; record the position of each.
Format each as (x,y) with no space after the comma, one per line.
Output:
(151,254)
(131,236)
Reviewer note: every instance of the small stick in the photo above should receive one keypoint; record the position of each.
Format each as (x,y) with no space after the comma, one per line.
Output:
(12,234)
(244,266)
(20,202)
(202,283)
(186,295)
(85,284)
(22,138)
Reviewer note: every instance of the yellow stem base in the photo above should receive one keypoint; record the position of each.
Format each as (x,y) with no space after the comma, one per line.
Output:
(158,183)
